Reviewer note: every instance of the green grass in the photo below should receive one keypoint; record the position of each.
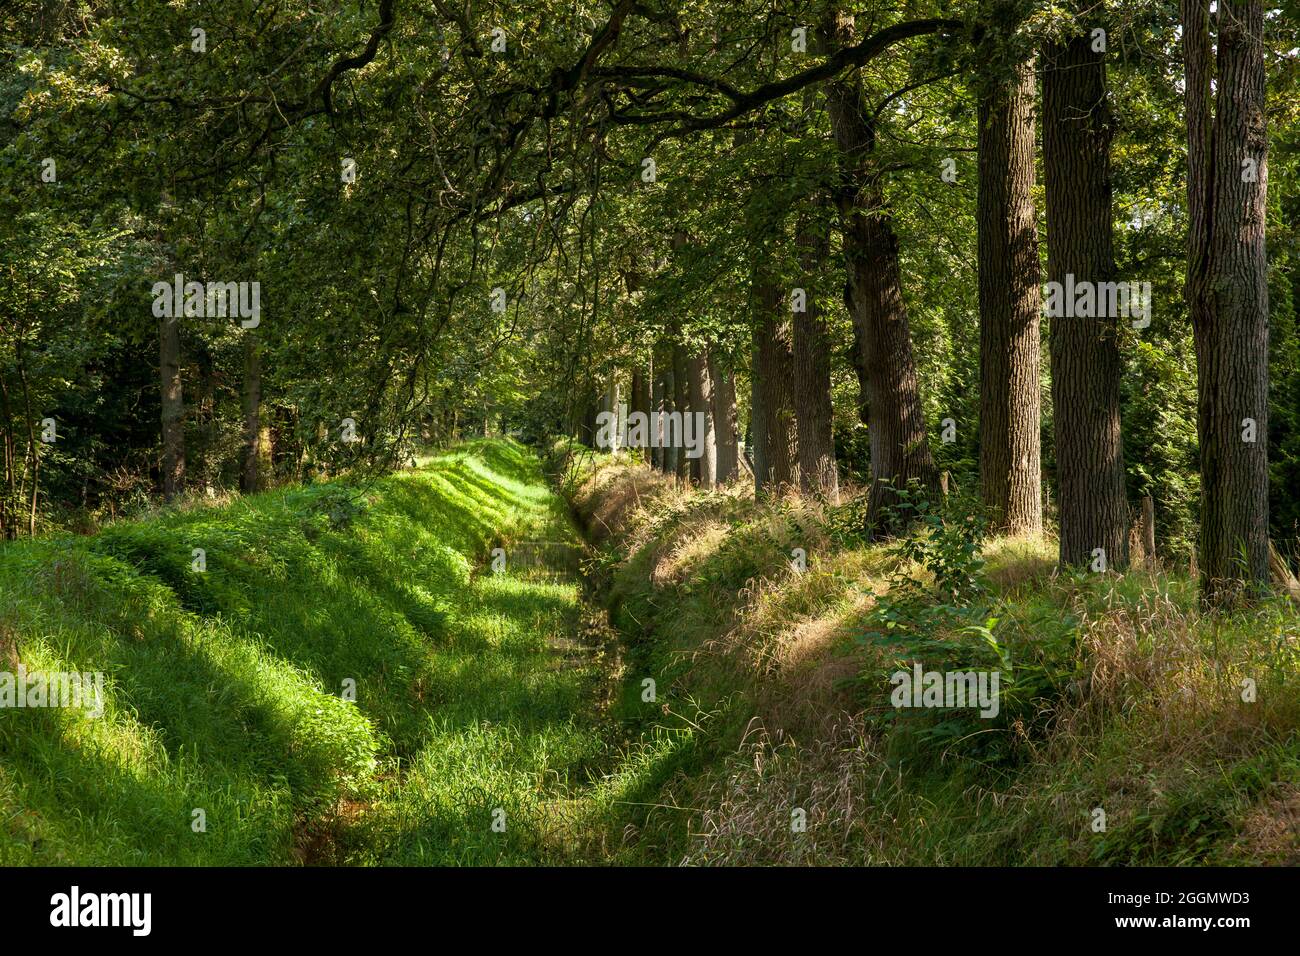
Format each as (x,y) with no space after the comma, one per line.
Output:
(498,719)
(225,688)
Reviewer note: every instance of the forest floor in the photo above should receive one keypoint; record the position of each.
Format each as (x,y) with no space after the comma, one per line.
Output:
(355,681)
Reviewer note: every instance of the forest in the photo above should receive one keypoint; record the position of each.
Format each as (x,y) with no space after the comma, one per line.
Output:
(793,432)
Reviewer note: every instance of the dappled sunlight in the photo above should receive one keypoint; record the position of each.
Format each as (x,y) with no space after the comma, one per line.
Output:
(1018,562)
(227,683)
(1138,700)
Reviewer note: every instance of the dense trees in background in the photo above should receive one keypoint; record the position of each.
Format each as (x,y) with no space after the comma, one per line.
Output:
(823,226)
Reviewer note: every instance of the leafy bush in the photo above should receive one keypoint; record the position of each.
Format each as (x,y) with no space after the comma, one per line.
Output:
(339,505)
(939,611)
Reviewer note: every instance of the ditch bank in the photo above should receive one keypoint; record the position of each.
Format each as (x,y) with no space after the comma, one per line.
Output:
(772,684)
(335,682)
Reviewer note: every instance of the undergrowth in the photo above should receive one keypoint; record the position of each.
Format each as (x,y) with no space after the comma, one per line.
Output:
(1118,691)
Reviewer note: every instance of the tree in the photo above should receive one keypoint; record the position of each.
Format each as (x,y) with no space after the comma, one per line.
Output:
(776,467)
(1086,365)
(251,477)
(1227,287)
(811,361)
(900,448)
(704,469)
(724,418)
(682,401)
(1009,307)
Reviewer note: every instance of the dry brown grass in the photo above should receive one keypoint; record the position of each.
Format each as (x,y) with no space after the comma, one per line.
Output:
(1271,831)
(782,634)
(688,551)
(791,805)
(1149,663)
(613,492)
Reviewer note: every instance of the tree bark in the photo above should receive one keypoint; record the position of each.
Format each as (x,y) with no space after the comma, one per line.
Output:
(1086,364)
(811,360)
(656,427)
(704,470)
(588,429)
(773,377)
(1227,290)
(173,409)
(8,524)
(858,356)
(682,402)
(724,420)
(755,431)
(671,453)
(1149,531)
(642,401)
(610,403)
(32,444)
(1010,402)
(900,448)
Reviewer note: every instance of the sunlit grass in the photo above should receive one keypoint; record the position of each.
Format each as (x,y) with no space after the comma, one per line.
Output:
(226,686)
(496,721)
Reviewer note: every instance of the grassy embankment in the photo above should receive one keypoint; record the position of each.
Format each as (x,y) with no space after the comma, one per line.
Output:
(478,691)
(1117,693)
(226,687)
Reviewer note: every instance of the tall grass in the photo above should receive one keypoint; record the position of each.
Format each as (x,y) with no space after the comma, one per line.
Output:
(1133,702)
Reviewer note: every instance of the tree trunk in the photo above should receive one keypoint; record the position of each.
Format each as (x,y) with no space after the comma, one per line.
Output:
(754,433)
(858,355)
(1010,403)
(641,402)
(811,359)
(682,402)
(724,420)
(900,448)
(810,339)
(704,470)
(32,443)
(1227,290)
(173,409)
(1086,365)
(589,423)
(610,403)
(773,378)
(656,427)
(1149,531)
(8,518)
(253,451)
(671,453)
